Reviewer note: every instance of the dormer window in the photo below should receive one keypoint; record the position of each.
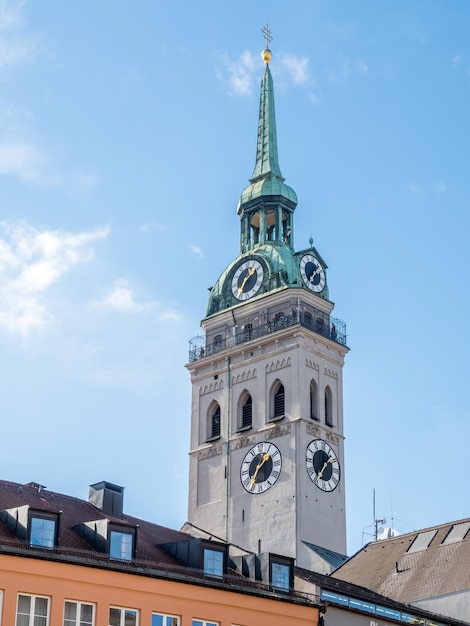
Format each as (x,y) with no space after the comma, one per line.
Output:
(214,562)
(280,573)
(43,530)
(121,545)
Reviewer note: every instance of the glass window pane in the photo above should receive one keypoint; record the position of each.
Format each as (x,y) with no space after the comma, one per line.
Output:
(171,621)
(213,562)
(197,622)
(121,545)
(114,617)
(280,575)
(24,604)
(157,620)
(40,606)
(22,620)
(42,532)
(86,615)
(40,621)
(70,610)
(130,618)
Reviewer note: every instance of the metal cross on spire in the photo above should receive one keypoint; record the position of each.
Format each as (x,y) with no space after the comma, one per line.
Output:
(267,35)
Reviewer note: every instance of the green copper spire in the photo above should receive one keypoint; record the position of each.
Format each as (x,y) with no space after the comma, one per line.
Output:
(267,163)
(266,205)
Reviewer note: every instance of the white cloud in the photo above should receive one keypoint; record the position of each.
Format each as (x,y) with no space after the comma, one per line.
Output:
(32,261)
(28,163)
(121,298)
(238,74)
(296,68)
(14,48)
(11,14)
(416,190)
(243,74)
(197,251)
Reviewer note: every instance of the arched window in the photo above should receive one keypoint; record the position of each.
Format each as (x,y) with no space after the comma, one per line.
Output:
(328,407)
(214,421)
(277,404)
(245,412)
(313,400)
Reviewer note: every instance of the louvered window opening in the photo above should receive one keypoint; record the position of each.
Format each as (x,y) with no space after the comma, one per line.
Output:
(247,413)
(328,416)
(313,403)
(279,402)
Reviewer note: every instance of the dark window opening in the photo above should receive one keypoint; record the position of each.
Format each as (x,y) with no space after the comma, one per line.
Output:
(313,401)
(215,423)
(247,413)
(328,408)
(279,402)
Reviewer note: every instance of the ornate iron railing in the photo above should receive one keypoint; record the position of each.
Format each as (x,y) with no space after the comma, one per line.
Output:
(319,323)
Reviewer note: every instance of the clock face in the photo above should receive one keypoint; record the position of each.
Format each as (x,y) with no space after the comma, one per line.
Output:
(323,465)
(261,467)
(312,273)
(247,279)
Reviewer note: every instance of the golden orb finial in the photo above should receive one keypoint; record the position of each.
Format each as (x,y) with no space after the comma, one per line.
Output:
(267,55)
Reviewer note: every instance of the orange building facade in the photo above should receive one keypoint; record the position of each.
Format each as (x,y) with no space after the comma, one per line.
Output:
(72,594)
(71,562)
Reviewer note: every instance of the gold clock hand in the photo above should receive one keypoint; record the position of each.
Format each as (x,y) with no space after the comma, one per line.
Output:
(251,271)
(325,465)
(266,457)
(317,271)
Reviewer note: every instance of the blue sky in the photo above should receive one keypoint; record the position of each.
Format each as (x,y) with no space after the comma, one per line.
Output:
(127,133)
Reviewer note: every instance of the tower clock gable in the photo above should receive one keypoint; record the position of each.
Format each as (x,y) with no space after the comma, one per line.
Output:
(266,452)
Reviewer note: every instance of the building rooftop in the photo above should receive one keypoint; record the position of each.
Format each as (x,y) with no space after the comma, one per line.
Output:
(408,568)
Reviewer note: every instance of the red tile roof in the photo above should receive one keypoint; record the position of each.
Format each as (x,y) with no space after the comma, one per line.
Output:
(73,511)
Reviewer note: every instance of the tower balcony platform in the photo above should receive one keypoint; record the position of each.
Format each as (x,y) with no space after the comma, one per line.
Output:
(313,319)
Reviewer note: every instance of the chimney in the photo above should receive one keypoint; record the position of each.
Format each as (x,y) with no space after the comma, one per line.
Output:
(107,497)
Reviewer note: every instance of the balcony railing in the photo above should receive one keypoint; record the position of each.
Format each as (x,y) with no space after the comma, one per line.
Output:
(319,323)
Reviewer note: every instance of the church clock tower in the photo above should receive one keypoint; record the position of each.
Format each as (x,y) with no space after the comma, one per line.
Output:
(267,455)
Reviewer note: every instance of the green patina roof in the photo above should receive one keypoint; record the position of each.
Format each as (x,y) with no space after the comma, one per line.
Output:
(266,190)
(267,179)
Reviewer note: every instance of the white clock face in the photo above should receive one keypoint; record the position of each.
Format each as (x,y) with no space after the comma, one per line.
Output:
(247,279)
(261,467)
(312,273)
(323,465)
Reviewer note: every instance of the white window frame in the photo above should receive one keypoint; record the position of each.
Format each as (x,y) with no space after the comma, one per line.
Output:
(32,615)
(79,604)
(123,610)
(166,619)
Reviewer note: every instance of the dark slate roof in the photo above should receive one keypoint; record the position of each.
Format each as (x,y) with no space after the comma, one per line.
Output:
(73,511)
(391,568)
(333,558)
